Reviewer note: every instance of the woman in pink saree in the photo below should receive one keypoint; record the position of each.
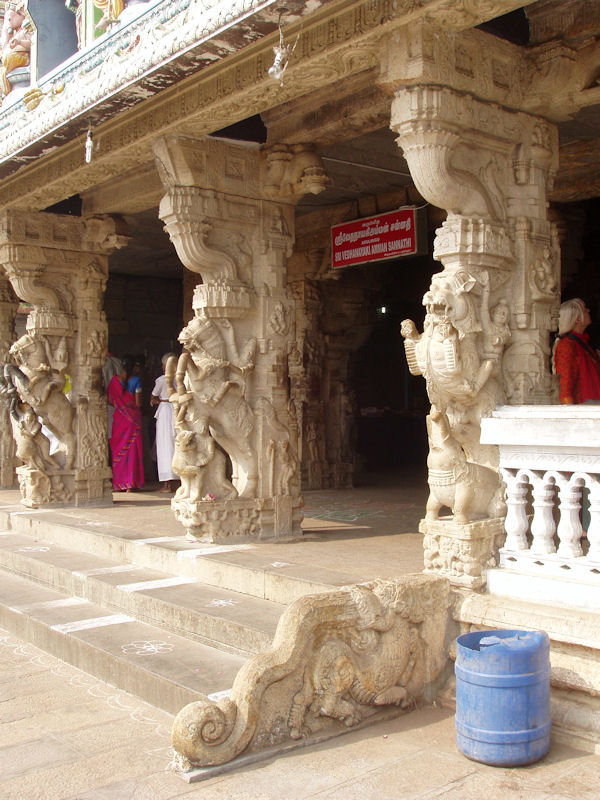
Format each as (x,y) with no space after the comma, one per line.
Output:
(125,394)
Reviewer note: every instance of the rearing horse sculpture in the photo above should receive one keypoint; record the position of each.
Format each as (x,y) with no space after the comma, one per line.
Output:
(207,382)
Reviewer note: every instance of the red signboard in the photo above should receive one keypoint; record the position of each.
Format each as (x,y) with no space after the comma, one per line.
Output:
(376,238)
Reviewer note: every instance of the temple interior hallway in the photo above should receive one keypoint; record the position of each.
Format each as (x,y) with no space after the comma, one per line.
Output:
(65,735)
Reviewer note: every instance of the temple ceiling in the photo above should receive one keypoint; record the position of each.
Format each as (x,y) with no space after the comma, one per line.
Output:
(333,96)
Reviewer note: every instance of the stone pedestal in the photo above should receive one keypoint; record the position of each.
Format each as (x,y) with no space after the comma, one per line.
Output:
(462,553)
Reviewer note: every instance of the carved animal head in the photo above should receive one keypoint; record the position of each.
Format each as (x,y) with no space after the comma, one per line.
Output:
(372,613)
(449,301)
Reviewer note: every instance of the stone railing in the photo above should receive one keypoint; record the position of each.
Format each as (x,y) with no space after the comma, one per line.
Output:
(550,463)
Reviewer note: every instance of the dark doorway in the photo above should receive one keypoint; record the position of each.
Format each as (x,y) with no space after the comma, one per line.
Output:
(391,403)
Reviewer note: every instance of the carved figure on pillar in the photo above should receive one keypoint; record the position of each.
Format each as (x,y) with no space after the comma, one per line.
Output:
(314,458)
(288,467)
(39,476)
(467,489)
(40,380)
(207,382)
(33,447)
(459,380)
(496,331)
(201,465)
(541,277)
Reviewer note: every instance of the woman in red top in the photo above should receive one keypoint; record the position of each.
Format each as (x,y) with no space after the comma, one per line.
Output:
(575,361)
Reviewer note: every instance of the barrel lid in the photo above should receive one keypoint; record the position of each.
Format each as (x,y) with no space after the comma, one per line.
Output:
(506,641)
(518,640)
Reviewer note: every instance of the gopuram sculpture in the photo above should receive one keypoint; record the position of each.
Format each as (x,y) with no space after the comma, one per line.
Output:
(50,380)
(236,448)
(15,43)
(338,658)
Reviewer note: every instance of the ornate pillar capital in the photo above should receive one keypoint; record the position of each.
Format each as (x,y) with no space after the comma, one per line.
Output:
(292,170)
(466,154)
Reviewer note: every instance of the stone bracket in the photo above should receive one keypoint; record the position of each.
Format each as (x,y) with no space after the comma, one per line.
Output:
(337,658)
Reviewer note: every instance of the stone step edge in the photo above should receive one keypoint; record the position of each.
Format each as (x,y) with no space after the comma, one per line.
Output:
(149,686)
(566,625)
(94,589)
(258,582)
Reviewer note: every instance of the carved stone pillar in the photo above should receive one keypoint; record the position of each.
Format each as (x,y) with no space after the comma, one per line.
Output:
(490,310)
(59,264)
(230,215)
(8,460)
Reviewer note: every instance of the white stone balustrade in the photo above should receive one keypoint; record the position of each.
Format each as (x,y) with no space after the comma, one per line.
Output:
(548,456)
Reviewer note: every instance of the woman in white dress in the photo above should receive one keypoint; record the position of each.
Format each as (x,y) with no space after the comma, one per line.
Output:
(165,430)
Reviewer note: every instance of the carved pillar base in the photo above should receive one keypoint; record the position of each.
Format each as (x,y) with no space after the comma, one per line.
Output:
(240,520)
(92,488)
(61,488)
(462,553)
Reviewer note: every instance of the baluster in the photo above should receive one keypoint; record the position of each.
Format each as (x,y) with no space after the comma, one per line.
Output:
(515,524)
(593,533)
(543,526)
(569,526)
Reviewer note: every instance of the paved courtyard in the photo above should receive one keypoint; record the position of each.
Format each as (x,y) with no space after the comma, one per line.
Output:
(67,736)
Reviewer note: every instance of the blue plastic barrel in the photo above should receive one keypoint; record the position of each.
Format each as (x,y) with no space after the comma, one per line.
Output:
(503,696)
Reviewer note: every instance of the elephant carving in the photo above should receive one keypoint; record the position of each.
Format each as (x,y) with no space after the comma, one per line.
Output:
(372,665)
(466,488)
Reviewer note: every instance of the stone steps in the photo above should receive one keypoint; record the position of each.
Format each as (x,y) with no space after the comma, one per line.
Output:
(227,620)
(162,668)
(166,638)
(237,567)
(155,615)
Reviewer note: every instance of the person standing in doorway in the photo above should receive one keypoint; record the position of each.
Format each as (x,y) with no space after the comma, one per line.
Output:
(577,365)
(575,361)
(125,394)
(112,366)
(165,430)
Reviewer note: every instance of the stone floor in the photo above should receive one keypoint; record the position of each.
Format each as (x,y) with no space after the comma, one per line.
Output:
(65,735)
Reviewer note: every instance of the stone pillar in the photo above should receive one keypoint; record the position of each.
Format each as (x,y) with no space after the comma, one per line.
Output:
(59,264)
(229,211)
(489,311)
(8,460)
(329,328)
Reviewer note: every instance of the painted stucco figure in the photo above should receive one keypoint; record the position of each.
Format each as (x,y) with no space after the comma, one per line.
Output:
(16,45)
